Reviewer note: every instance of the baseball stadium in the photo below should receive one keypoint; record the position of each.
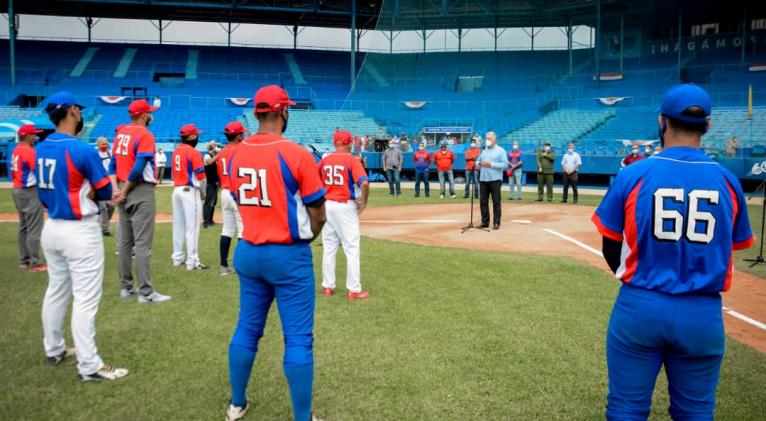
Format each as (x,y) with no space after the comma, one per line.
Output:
(640,294)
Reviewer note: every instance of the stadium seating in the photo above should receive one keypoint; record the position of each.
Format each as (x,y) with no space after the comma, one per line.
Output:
(561,126)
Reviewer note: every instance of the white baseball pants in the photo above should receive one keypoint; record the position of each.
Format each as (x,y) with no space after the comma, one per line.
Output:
(74,251)
(232,221)
(187,217)
(341,228)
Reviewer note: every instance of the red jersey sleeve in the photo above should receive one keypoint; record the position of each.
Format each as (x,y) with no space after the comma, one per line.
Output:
(358,172)
(146,145)
(198,167)
(309,183)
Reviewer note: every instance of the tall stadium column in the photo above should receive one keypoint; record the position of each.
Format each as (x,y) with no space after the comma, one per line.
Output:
(622,39)
(295,36)
(569,44)
(680,27)
(160,28)
(12,40)
(353,45)
(598,43)
(495,37)
(459,39)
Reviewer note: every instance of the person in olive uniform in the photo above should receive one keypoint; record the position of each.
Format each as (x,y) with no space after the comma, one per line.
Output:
(545,159)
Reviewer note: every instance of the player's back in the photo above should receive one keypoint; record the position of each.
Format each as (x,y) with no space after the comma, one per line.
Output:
(341,172)
(22,166)
(224,164)
(186,162)
(65,166)
(130,142)
(684,214)
(272,178)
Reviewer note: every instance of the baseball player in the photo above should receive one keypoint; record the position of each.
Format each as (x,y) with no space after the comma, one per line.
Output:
(133,179)
(341,175)
(25,199)
(70,178)
(106,209)
(232,221)
(281,200)
(670,224)
(189,180)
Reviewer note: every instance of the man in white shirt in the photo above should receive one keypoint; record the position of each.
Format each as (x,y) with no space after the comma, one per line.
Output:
(160,159)
(570,163)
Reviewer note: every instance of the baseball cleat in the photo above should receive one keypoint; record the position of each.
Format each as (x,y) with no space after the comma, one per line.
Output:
(226,271)
(441,196)
(177,264)
(198,266)
(154,297)
(353,296)
(452,196)
(127,293)
(236,412)
(107,372)
(58,359)
(24,266)
(328,292)
(38,268)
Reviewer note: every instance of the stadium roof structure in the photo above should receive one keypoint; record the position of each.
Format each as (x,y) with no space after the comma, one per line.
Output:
(395,15)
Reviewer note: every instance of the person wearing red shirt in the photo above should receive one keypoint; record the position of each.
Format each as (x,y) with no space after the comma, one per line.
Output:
(422,161)
(189,191)
(25,199)
(471,171)
(635,155)
(444,159)
(232,221)
(133,180)
(342,174)
(281,199)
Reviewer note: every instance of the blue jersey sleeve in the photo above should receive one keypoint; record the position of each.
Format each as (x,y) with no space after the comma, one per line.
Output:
(91,167)
(609,217)
(113,166)
(138,167)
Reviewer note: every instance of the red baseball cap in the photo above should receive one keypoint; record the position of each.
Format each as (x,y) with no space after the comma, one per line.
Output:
(140,107)
(271,98)
(235,127)
(28,129)
(341,138)
(189,129)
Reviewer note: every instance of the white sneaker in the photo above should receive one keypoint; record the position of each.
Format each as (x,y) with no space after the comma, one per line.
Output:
(154,297)
(107,372)
(198,266)
(226,271)
(176,264)
(441,196)
(452,196)
(127,293)
(236,412)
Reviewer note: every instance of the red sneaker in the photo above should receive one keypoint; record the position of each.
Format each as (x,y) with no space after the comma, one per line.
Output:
(38,268)
(328,292)
(353,296)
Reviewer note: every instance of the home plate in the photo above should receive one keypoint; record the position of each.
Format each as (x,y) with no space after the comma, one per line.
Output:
(521,221)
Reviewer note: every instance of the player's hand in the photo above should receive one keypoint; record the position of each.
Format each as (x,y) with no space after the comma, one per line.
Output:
(485,164)
(119,198)
(360,207)
(91,194)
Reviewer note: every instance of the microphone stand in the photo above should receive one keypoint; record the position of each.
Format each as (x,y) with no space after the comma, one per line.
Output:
(759,259)
(472,192)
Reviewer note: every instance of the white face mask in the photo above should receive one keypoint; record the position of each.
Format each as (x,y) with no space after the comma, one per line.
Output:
(547,148)
(489,143)
(570,150)
(473,145)
(635,151)
(515,147)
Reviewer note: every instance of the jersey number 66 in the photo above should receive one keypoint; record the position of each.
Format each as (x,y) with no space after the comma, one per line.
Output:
(694,215)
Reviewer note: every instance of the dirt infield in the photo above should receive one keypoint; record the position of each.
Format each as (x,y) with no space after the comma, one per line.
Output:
(528,228)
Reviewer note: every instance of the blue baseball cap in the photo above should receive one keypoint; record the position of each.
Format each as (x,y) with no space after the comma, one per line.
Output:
(680,97)
(62,99)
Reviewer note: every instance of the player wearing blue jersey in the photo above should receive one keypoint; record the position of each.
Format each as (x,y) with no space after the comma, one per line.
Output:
(670,224)
(70,179)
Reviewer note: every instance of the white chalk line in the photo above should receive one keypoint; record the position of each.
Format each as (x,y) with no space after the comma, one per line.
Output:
(726,310)
(521,221)
(412,221)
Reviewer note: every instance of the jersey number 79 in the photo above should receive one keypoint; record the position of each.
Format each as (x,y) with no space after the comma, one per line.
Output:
(684,225)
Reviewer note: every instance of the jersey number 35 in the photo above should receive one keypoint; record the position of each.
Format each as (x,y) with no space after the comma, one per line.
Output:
(681,225)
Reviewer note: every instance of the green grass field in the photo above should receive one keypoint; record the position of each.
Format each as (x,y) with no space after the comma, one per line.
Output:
(448,334)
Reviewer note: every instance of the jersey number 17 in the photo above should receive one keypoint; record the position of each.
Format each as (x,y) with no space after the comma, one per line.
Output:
(688,225)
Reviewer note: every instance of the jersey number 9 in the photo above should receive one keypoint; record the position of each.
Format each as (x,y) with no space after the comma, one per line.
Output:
(256,179)
(689,224)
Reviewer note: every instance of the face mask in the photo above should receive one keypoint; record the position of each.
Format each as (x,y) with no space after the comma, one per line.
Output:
(489,143)
(515,147)
(570,151)
(635,151)
(284,129)
(80,125)
(103,148)
(547,148)
(656,152)
(473,145)
(148,120)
